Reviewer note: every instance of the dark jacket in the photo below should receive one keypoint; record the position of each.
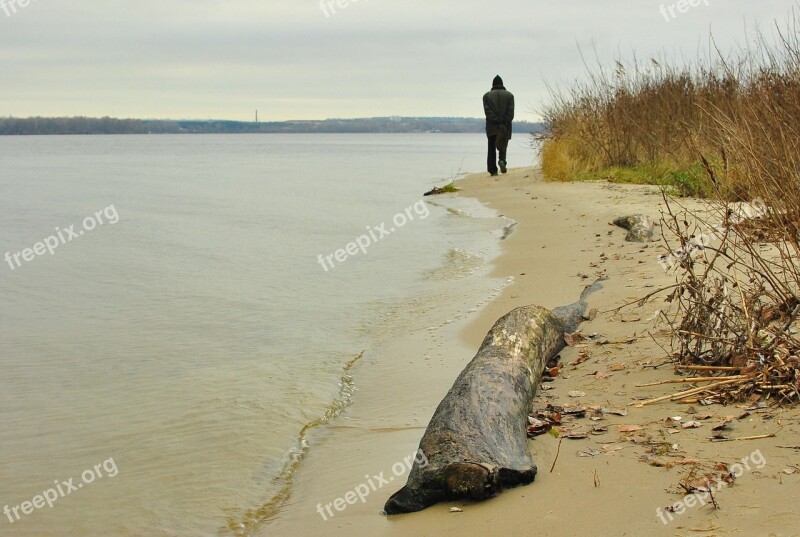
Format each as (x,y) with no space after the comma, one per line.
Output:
(498,105)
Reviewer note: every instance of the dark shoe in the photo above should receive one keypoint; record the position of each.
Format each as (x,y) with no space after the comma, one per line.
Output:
(493,174)
(503,166)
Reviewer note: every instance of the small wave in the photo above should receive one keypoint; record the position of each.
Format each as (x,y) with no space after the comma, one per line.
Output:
(245,524)
(457,264)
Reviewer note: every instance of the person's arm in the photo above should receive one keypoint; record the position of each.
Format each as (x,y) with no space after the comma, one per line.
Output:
(489,110)
(510,111)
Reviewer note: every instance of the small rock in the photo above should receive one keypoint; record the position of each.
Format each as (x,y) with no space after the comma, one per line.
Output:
(640,227)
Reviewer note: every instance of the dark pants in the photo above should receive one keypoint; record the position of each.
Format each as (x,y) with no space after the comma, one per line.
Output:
(491,158)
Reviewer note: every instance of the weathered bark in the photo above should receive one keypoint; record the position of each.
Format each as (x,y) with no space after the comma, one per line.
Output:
(476,443)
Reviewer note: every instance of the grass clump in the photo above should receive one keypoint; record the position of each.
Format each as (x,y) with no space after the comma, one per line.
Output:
(726,126)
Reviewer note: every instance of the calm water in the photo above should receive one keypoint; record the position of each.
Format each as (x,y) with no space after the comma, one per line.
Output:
(170,359)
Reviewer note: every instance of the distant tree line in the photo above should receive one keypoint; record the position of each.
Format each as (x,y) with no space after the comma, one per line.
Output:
(83,125)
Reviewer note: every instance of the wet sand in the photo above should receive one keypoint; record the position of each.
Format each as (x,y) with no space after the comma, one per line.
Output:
(606,484)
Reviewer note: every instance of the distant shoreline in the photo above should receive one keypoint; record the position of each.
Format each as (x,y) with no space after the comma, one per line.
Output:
(377,125)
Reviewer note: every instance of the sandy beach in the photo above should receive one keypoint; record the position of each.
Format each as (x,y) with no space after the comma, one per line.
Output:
(616,482)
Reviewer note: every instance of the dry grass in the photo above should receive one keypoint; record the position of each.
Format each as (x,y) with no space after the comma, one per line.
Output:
(707,129)
(735,303)
(728,131)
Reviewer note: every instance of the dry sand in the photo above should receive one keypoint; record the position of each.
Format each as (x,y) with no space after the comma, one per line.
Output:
(562,241)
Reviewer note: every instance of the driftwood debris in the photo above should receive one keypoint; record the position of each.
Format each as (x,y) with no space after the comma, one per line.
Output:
(447,189)
(476,443)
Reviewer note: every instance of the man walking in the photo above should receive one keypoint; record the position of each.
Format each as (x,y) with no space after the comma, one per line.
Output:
(498,105)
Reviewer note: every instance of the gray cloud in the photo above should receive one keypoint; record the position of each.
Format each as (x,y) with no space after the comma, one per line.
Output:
(225,58)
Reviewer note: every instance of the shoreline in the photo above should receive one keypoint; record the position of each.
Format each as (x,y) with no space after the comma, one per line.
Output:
(560,243)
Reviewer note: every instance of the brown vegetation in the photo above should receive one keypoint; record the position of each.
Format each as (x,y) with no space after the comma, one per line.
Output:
(729,131)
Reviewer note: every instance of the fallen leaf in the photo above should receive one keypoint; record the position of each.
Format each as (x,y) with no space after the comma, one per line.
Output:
(573,339)
(456,510)
(576,409)
(692,425)
(539,429)
(614,411)
(617,367)
(629,428)
(672,421)
(588,453)
(577,393)
(582,357)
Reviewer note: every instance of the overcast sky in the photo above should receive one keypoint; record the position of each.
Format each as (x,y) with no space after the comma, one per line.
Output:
(290,59)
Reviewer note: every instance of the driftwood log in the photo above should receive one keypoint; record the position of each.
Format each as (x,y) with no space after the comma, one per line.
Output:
(476,443)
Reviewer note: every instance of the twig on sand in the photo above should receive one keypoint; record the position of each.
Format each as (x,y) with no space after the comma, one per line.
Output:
(640,301)
(756,437)
(713,499)
(557,452)
(708,368)
(681,395)
(691,379)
